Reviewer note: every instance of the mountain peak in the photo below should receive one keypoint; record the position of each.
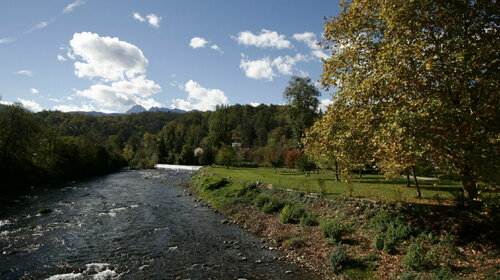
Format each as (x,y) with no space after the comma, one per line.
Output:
(136,109)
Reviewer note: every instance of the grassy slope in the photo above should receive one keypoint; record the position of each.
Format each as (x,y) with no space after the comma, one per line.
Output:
(371,186)
(237,199)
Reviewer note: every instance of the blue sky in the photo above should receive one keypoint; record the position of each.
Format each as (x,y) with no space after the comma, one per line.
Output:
(96,55)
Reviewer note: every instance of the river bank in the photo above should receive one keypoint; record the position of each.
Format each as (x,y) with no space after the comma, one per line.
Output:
(351,238)
(130,225)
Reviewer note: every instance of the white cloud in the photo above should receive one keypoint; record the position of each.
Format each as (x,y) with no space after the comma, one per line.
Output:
(309,39)
(30,105)
(198,42)
(216,48)
(138,17)
(262,69)
(6,102)
(285,64)
(152,19)
(324,103)
(121,68)
(72,6)
(40,25)
(55,100)
(255,104)
(74,108)
(7,40)
(61,58)
(200,98)
(257,69)
(124,94)
(34,90)
(106,57)
(266,38)
(28,73)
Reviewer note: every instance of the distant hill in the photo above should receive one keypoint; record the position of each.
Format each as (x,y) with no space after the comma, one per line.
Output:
(133,110)
(136,109)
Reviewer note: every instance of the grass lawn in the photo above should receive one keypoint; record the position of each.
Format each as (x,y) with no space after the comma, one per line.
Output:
(371,186)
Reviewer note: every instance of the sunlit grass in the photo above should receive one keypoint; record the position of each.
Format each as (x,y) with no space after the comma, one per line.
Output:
(371,186)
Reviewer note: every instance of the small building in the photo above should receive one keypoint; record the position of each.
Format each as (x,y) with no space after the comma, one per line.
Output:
(198,151)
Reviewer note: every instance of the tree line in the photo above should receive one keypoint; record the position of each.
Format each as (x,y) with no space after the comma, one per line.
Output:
(52,147)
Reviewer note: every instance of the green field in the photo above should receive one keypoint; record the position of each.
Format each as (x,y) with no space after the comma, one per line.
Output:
(371,186)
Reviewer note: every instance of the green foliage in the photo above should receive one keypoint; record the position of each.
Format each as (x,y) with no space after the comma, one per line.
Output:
(214,182)
(50,147)
(305,164)
(302,96)
(443,273)
(291,214)
(309,220)
(416,258)
(335,229)
(295,242)
(409,275)
(225,156)
(391,231)
(269,203)
(339,258)
(413,84)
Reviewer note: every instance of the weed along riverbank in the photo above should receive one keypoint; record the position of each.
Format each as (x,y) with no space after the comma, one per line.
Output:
(346,237)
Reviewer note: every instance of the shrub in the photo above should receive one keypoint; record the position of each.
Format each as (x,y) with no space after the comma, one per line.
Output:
(443,273)
(294,242)
(371,261)
(309,220)
(409,276)
(334,229)
(291,214)
(427,251)
(338,258)
(261,199)
(415,257)
(268,203)
(214,182)
(392,230)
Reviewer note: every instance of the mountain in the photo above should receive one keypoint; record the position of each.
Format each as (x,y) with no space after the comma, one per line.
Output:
(136,109)
(157,109)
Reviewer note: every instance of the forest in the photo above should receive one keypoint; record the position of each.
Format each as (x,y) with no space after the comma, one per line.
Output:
(51,147)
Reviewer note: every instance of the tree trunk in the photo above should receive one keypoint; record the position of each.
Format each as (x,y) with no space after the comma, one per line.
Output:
(336,171)
(408,183)
(416,181)
(360,174)
(468,182)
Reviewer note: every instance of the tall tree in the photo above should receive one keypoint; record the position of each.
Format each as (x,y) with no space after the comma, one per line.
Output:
(302,96)
(429,70)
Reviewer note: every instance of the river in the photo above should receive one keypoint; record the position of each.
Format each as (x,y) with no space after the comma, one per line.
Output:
(129,225)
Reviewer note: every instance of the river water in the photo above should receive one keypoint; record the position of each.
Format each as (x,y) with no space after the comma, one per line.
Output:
(129,225)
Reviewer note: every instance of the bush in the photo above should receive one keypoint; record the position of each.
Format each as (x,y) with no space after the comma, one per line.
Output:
(268,203)
(443,273)
(214,182)
(415,257)
(391,228)
(371,261)
(294,242)
(334,229)
(309,220)
(291,214)
(427,252)
(261,199)
(409,276)
(338,258)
